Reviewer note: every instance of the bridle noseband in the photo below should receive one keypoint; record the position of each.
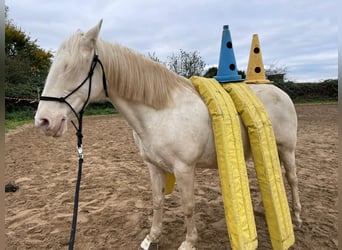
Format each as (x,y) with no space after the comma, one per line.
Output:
(79,134)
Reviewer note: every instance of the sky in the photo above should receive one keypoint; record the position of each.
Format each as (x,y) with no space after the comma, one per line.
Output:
(300,36)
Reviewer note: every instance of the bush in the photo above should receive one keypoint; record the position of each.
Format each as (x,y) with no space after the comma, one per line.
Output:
(327,90)
(20,111)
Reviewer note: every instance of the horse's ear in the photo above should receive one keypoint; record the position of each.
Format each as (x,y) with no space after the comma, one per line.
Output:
(91,36)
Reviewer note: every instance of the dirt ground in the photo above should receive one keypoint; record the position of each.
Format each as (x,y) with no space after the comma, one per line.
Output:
(115,208)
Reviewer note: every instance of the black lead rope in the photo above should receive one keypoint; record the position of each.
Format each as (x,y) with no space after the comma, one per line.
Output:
(78,182)
(79,135)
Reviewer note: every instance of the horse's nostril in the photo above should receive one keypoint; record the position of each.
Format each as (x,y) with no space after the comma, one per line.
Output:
(44,123)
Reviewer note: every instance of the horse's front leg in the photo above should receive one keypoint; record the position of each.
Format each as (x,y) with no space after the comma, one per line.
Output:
(158,185)
(185,176)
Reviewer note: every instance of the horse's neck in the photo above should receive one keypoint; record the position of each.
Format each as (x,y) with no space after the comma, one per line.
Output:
(153,89)
(136,114)
(131,111)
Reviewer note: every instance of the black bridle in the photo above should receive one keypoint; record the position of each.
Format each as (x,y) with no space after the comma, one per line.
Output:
(89,77)
(79,134)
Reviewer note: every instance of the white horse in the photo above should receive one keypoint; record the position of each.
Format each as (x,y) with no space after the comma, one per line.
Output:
(171,124)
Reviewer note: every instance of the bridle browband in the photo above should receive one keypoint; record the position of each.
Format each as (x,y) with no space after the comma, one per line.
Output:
(79,134)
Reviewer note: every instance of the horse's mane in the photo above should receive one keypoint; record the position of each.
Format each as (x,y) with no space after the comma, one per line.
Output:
(138,78)
(129,74)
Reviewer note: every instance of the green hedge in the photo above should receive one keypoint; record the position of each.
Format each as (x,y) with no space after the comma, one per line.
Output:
(299,92)
(324,91)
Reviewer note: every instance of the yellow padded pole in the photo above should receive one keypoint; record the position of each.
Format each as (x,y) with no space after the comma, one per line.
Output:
(170,183)
(232,168)
(265,156)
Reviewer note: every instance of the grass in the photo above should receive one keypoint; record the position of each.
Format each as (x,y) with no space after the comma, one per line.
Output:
(18,118)
(99,110)
(13,124)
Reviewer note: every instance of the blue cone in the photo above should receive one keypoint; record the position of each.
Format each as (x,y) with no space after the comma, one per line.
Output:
(227,69)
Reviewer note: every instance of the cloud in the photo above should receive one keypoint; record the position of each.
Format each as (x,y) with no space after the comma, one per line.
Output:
(290,33)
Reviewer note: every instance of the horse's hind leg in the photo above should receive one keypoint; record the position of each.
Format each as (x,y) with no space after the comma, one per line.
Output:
(158,185)
(287,157)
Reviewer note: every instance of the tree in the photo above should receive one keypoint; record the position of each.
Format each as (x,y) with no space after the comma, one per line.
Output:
(212,71)
(26,64)
(276,73)
(154,57)
(186,64)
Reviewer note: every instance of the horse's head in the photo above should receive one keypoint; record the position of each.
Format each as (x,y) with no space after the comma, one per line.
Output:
(67,87)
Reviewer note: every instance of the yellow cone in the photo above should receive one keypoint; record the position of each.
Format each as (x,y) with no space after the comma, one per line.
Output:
(255,69)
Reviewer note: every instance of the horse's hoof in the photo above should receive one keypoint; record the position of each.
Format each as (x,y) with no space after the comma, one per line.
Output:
(153,246)
(148,245)
(186,246)
(298,222)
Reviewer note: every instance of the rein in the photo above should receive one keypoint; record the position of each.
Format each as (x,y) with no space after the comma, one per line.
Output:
(79,134)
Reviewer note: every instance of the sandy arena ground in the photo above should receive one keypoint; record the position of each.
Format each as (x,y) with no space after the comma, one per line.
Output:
(115,207)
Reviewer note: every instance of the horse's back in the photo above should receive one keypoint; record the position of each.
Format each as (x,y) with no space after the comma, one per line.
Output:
(281,112)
